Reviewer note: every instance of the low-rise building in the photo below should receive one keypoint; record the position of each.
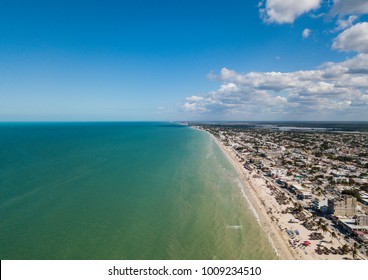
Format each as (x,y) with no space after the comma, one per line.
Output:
(362,220)
(352,226)
(304,195)
(321,206)
(360,181)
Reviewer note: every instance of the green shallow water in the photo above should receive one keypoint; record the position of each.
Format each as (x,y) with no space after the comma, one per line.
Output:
(121,191)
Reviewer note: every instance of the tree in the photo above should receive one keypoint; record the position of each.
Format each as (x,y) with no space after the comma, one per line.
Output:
(314,216)
(354,250)
(354,253)
(324,229)
(320,222)
(345,248)
(354,193)
(333,235)
(298,207)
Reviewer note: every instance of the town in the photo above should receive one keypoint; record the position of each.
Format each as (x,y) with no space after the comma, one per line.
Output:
(319,178)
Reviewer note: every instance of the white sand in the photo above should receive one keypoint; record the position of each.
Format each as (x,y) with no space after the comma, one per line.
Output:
(273,222)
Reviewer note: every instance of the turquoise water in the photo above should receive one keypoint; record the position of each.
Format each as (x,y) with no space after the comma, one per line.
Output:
(121,191)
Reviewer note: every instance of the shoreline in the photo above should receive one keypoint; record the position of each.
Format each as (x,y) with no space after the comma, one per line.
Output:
(285,234)
(276,241)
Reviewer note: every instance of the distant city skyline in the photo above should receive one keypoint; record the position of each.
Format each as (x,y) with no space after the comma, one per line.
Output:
(279,60)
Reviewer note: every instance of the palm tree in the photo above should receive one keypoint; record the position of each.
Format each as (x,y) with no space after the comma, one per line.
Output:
(324,228)
(345,248)
(299,208)
(319,223)
(333,235)
(355,250)
(314,216)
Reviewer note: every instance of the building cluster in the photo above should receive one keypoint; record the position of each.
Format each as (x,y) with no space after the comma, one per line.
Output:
(326,171)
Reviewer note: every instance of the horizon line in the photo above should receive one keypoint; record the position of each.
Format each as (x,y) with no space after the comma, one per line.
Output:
(176,121)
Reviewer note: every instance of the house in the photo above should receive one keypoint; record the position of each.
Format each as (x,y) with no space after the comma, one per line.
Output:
(364,197)
(304,195)
(295,188)
(359,181)
(339,180)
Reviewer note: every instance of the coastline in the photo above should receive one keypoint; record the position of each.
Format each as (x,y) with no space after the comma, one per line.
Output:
(273,217)
(254,200)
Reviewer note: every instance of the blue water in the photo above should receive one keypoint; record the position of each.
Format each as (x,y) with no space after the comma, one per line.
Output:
(121,191)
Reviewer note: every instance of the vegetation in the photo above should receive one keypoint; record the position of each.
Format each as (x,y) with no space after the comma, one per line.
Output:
(344,158)
(354,193)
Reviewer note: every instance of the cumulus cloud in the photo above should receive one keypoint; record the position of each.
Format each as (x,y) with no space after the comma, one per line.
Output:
(306,33)
(345,23)
(194,107)
(348,7)
(194,98)
(354,38)
(333,88)
(286,11)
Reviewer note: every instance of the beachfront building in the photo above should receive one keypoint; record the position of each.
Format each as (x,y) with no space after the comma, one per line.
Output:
(364,197)
(304,195)
(353,227)
(346,206)
(321,206)
(313,166)
(363,208)
(296,188)
(362,220)
(360,181)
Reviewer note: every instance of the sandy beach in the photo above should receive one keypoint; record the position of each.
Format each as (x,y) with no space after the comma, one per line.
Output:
(286,234)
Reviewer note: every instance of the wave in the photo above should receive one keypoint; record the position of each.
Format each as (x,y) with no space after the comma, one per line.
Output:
(250,206)
(235,227)
(254,211)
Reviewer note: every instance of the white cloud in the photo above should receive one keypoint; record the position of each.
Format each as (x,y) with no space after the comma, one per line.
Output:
(348,7)
(336,89)
(194,98)
(354,38)
(194,107)
(306,33)
(286,11)
(189,106)
(345,23)
(228,88)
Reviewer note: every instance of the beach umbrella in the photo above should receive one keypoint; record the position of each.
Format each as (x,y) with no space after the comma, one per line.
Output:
(307,243)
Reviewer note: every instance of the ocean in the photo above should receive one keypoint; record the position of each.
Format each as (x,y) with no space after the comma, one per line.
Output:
(121,191)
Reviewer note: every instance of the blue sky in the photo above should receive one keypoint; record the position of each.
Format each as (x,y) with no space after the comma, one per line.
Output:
(196,60)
